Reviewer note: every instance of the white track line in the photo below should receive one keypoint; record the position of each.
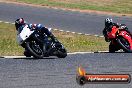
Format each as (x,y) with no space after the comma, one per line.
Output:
(87,34)
(7,22)
(87,52)
(67,31)
(12,23)
(67,53)
(101,36)
(80,33)
(14,56)
(55,29)
(80,53)
(73,32)
(61,30)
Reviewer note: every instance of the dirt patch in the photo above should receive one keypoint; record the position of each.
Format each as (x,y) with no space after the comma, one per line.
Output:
(84,11)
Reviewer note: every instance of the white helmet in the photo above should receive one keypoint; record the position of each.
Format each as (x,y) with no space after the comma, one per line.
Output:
(108,21)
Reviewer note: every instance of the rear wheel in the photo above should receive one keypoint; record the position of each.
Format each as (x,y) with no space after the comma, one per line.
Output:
(27,53)
(35,49)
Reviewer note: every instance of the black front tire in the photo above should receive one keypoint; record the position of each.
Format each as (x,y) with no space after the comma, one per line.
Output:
(62,53)
(124,44)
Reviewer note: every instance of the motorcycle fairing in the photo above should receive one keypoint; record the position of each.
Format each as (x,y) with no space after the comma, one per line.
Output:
(112,34)
(127,36)
(25,33)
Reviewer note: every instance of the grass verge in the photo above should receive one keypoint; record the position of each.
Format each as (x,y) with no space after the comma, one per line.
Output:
(116,6)
(72,42)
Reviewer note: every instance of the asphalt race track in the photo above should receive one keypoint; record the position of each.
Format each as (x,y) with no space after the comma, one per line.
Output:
(61,73)
(64,20)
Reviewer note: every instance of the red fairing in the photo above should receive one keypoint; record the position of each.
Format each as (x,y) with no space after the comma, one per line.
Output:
(112,34)
(126,36)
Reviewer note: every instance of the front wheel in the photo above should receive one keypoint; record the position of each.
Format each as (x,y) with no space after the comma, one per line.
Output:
(125,45)
(62,53)
(35,49)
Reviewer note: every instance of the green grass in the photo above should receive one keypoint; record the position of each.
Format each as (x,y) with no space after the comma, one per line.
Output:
(72,42)
(75,42)
(117,6)
(8,44)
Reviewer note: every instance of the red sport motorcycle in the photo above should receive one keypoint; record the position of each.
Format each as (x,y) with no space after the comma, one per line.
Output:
(119,39)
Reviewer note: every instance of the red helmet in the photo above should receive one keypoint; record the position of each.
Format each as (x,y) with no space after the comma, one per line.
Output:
(20,21)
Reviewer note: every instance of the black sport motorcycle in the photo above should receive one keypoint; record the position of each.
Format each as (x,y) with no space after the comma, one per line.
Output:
(39,45)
